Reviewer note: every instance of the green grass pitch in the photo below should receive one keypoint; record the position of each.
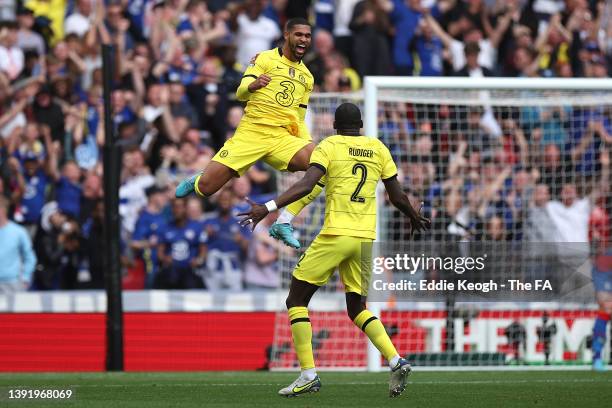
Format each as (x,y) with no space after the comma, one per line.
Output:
(258,389)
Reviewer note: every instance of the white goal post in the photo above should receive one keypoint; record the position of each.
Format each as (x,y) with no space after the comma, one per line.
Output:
(484,126)
(374,84)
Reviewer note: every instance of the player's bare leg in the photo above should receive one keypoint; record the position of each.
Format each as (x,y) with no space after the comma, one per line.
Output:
(376,332)
(282,229)
(206,183)
(300,293)
(301,159)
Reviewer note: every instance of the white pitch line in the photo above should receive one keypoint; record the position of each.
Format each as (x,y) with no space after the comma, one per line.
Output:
(451,382)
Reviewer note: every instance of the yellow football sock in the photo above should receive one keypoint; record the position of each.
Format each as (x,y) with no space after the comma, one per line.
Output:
(297,206)
(374,329)
(197,190)
(302,336)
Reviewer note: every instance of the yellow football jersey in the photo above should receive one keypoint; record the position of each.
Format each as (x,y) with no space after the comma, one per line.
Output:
(353,165)
(284,100)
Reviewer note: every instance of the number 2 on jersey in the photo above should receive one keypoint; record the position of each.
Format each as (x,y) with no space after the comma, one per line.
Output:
(364,176)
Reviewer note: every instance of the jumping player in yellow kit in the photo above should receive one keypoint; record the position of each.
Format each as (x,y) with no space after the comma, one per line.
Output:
(352,165)
(276,86)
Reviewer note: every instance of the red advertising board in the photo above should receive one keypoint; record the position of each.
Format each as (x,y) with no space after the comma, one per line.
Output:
(175,341)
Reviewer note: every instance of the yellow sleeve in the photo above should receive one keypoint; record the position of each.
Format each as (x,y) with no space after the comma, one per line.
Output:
(321,155)
(389,169)
(252,72)
(303,129)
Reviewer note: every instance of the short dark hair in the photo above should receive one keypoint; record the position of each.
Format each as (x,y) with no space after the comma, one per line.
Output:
(193,4)
(347,116)
(292,22)
(471,48)
(9,24)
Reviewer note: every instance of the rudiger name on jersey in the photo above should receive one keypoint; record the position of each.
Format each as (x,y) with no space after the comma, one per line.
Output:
(354,151)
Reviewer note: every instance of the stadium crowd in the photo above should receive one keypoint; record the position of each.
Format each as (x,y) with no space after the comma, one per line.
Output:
(178,64)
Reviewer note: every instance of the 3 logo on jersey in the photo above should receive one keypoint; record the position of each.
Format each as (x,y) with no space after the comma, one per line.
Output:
(285,97)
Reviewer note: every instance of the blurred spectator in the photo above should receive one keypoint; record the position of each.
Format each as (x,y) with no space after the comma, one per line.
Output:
(27,39)
(135,179)
(68,189)
(79,22)
(210,98)
(322,47)
(227,244)
(570,214)
(91,272)
(495,230)
(348,79)
(48,112)
(145,238)
(36,180)
(429,49)
(179,105)
(11,56)
(343,12)
(195,209)
(241,188)
(261,269)
(324,14)
(181,251)
(540,225)
(91,195)
(179,164)
(49,248)
(232,75)
(471,67)
(554,168)
(17,259)
(405,17)
(278,11)
(370,50)
(487,47)
(254,31)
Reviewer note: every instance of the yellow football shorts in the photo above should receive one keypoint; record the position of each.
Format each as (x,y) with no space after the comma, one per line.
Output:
(252,142)
(351,255)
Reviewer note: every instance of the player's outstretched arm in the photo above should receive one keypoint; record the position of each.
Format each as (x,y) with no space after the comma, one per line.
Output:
(294,193)
(400,200)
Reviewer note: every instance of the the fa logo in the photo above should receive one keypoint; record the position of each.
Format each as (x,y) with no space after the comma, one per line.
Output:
(292,72)
(543,284)
(302,79)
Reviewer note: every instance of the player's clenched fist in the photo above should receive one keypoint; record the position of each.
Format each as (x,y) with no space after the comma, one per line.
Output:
(262,81)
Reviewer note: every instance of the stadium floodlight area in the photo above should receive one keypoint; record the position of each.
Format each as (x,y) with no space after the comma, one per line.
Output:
(481,154)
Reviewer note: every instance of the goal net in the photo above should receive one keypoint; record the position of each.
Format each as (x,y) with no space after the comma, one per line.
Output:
(516,169)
